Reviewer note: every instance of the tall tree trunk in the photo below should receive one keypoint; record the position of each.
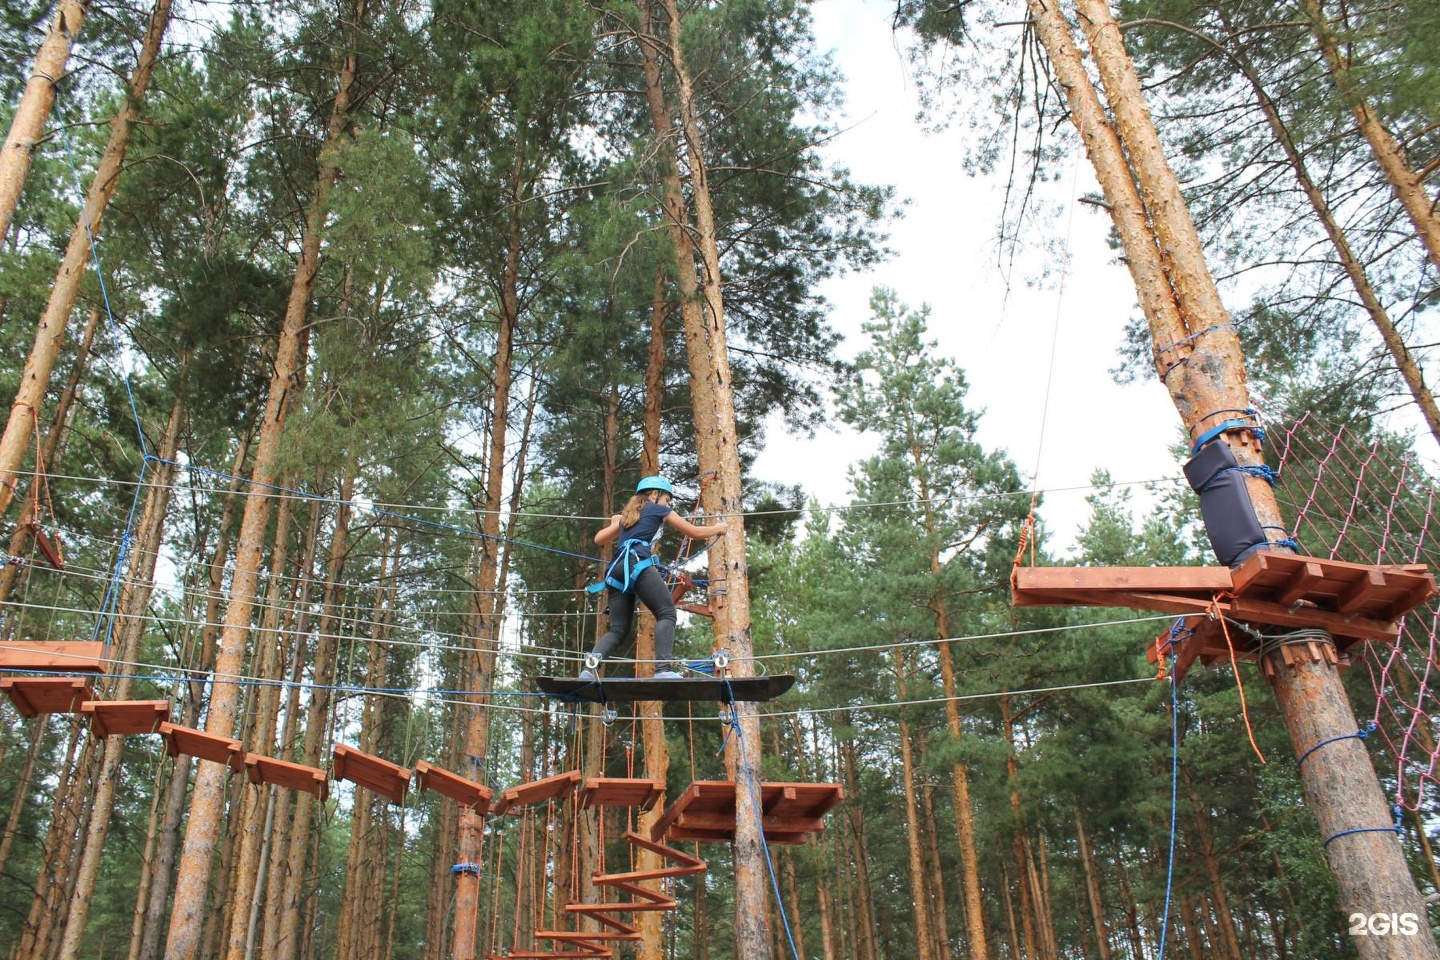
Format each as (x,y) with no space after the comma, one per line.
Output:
(936,873)
(1017,826)
(487,602)
(188,913)
(1406,183)
(1405,362)
(719,454)
(1341,787)
(256,802)
(919,893)
(1132,912)
(66,822)
(133,606)
(293,901)
(1092,886)
(50,449)
(1229,943)
(28,124)
(170,837)
(147,860)
(22,790)
(35,379)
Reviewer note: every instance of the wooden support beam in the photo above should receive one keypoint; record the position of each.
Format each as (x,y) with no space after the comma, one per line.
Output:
(124,717)
(206,746)
(620,792)
(467,793)
(375,774)
(33,696)
(538,791)
(56,656)
(1305,580)
(283,773)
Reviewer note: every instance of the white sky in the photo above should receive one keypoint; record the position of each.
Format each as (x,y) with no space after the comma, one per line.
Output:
(945,258)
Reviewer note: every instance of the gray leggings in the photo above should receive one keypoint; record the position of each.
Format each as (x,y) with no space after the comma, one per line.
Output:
(650,588)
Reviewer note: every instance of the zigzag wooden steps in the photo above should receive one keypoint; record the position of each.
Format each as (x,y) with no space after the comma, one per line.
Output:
(57,656)
(204,746)
(390,780)
(1352,601)
(467,793)
(790,812)
(124,717)
(33,696)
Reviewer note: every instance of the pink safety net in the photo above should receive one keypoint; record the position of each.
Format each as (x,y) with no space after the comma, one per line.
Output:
(1358,494)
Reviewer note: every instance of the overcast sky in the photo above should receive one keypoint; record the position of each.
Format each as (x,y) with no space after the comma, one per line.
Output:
(945,257)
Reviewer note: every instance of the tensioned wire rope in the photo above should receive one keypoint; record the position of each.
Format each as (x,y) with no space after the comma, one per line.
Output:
(285,494)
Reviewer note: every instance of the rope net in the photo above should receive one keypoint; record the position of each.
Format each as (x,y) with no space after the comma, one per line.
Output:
(1361,495)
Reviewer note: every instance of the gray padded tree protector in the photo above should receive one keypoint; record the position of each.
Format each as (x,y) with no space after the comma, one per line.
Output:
(1225,504)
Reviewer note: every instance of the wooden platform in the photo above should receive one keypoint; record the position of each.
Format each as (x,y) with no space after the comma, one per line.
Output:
(623,689)
(538,791)
(33,696)
(1351,601)
(283,773)
(467,793)
(620,792)
(390,780)
(125,717)
(791,812)
(204,746)
(53,656)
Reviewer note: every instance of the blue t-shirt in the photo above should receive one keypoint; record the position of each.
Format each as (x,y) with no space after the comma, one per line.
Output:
(647,529)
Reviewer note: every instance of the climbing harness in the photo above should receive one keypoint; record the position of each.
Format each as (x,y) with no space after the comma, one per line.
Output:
(625,569)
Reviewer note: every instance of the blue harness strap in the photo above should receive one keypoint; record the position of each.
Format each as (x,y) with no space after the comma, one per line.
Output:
(624,569)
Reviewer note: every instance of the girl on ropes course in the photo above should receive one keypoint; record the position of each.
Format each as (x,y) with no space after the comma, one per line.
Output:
(635,572)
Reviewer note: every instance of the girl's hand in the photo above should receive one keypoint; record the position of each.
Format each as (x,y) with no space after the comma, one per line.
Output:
(719,529)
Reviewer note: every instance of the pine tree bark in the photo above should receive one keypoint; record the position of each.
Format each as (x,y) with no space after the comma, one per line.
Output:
(133,607)
(50,449)
(718,449)
(28,124)
(50,333)
(1027,893)
(22,790)
(1092,886)
(919,894)
(1406,183)
(1342,789)
(289,939)
(188,913)
(262,735)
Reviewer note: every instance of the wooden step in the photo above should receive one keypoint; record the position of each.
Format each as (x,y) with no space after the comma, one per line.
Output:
(467,793)
(205,746)
(33,696)
(620,792)
(53,656)
(790,812)
(283,773)
(125,717)
(390,780)
(538,791)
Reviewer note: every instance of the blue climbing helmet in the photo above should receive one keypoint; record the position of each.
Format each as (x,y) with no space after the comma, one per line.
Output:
(655,483)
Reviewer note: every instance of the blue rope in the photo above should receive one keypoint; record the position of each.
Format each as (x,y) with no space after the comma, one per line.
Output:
(1194,336)
(1395,829)
(1231,424)
(471,868)
(1357,735)
(765,844)
(1174,799)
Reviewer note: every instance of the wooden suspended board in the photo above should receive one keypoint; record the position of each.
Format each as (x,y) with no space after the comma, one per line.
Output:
(633,688)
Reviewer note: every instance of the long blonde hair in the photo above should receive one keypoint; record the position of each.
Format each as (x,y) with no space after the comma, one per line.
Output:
(630,515)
